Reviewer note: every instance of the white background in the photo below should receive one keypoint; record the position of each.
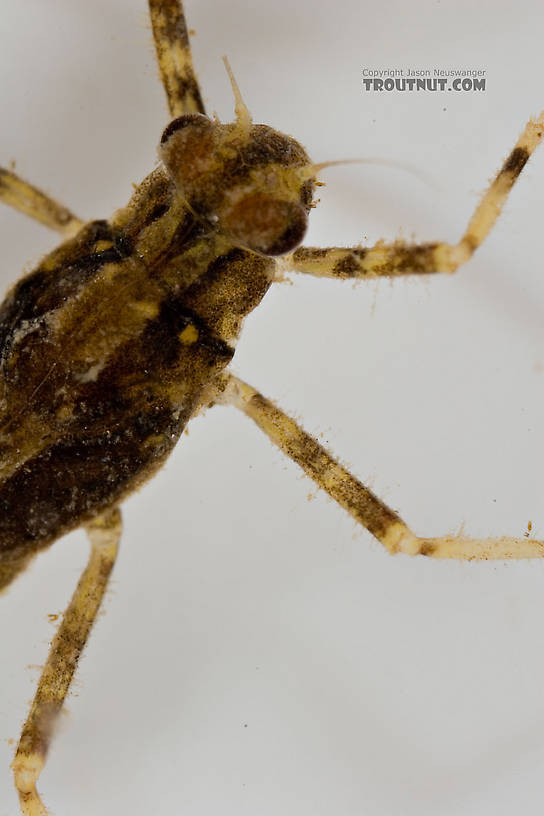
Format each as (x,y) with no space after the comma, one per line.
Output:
(259,653)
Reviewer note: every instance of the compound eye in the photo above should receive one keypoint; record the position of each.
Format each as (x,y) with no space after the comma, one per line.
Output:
(291,237)
(186,148)
(264,223)
(187,120)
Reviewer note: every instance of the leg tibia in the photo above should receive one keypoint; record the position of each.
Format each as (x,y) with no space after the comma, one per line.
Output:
(399,258)
(353,496)
(174,57)
(62,661)
(33,202)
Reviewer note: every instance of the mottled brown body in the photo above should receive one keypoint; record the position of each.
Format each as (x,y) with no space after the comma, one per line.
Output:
(125,331)
(107,348)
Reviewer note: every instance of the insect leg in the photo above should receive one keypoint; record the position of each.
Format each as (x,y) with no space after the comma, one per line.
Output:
(399,258)
(29,200)
(353,496)
(174,57)
(66,648)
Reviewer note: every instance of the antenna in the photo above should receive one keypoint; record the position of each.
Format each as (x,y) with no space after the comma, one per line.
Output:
(240,109)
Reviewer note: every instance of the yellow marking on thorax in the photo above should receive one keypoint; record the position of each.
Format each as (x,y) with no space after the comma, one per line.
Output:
(189,335)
